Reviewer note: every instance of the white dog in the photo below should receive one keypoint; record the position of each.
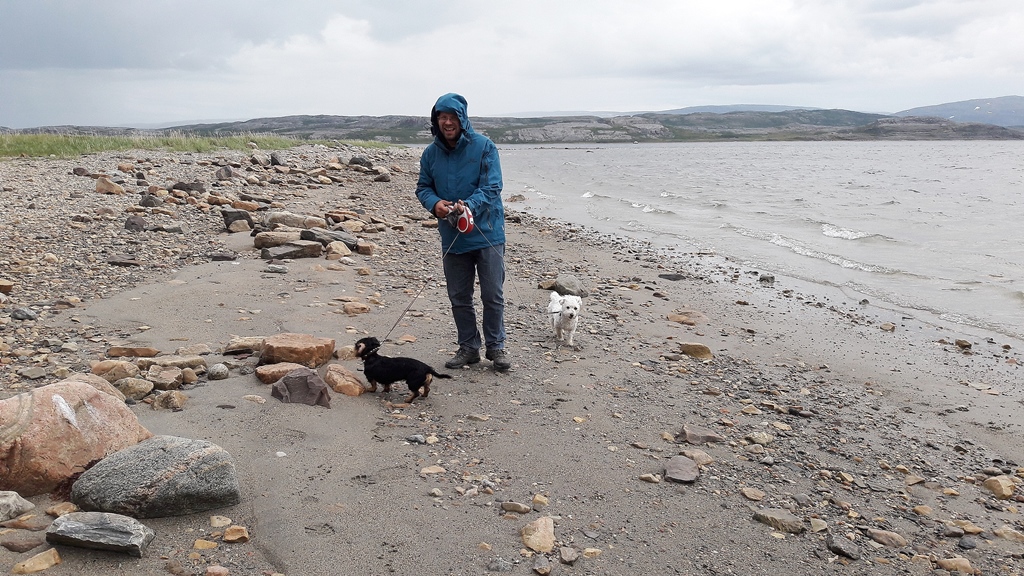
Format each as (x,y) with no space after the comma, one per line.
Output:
(565,315)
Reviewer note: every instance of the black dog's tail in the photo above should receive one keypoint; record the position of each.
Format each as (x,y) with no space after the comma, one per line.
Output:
(439,375)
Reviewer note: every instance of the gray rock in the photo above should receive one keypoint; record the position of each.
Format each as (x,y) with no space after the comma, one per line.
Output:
(681,469)
(231,214)
(325,237)
(24,314)
(13,505)
(295,249)
(698,435)
(101,531)
(150,201)
(568,284)
(161,476)
(967,543)
(218,372)
(842,546)
(780,520)
(302,386)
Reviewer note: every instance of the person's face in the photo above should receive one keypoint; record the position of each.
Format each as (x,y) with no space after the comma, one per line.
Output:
(450,127)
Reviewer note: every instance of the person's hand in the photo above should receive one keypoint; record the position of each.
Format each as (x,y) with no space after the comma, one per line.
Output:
(442,208)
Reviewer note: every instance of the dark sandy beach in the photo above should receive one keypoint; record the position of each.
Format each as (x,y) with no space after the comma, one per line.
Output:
(830,409)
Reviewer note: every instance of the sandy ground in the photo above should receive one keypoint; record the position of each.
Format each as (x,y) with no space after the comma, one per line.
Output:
(342,490)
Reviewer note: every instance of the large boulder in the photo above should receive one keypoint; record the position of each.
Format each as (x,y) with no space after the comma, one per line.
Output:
(163,476)
(53,432)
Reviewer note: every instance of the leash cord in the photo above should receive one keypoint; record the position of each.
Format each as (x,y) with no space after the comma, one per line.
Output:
(504,270)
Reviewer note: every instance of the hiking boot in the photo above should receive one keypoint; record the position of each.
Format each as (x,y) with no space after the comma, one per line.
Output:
(499,359)
(462,357)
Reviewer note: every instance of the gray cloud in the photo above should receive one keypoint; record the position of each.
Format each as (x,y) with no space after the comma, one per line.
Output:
(117,62)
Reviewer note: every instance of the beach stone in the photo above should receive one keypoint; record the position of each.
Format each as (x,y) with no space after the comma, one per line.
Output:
(243,345)
(275,238)
(101,531)
(681,319)
(61,509)
(957,564)
(307,350)
(197,363)
(354,308)
(842,546)
(516,507)
(328,237)
(1002,487)
(293,250)
(218,372)
(13,505)
(270,373)
(760,438)
(539,535)
(696,350)
(681,469)
(133,351)
(236,535)
(165,377)
(114,370)
(1007,532)
(162,476)
(699,435)
(752,493)
(887,538)
(337,250)
(170,400)
(541,565)
(701,457)
(294,220)
(34,522)
(780,520)
(303,386)
(105,185)
(343,381)
(568,555)
(6,286)
(55,431)
(134,388)
(232,216)
(20,541)
(38,563)
(967,543)
(968,527)
(566,284)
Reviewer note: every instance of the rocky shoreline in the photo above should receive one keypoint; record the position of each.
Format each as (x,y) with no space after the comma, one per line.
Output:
(623,456)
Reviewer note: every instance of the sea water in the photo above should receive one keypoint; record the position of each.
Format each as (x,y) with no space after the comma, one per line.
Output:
(934,227)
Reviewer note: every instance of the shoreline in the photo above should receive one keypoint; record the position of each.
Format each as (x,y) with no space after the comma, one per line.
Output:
(575,426)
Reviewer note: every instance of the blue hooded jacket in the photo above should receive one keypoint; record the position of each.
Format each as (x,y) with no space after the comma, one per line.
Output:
(469,172)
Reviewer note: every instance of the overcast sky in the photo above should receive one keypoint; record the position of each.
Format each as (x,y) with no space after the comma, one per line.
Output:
(146,62)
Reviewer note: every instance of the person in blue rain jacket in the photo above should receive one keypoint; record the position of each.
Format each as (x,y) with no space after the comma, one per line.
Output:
(460,170)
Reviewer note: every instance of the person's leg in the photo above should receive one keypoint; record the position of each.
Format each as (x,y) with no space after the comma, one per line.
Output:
(491,267)
(460,275)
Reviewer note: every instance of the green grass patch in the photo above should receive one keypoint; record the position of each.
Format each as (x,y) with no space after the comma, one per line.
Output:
(72,145)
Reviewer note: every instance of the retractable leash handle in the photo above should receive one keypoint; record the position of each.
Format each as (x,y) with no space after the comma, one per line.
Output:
(463,222)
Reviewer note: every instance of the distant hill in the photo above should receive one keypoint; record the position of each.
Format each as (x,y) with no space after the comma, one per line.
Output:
(695,124)
(1004,111)
(734,108)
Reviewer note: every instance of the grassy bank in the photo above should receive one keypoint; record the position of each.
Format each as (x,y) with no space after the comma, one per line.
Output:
(71,145)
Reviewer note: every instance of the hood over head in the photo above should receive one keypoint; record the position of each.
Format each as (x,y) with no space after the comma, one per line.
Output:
(455,104)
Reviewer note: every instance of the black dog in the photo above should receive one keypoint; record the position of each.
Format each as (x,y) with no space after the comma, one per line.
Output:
(386,370)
